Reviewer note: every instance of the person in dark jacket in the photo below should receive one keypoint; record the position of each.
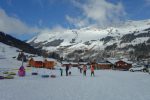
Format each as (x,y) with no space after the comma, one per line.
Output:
(79,67)
(67,68)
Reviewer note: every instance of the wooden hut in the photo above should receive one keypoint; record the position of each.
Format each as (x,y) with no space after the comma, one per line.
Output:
(74,64)
(49,64)
(30,62)
(104,65)
(38,64)
(35,63)
(123,65)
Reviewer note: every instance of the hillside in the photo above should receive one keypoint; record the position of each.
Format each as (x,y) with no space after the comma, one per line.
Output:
(11,41)
(127,37)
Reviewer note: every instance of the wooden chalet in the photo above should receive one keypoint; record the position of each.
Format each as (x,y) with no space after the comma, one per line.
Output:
(74,64)
(121,64)
(49,64)
(39,63)
(35,63)
(104,65)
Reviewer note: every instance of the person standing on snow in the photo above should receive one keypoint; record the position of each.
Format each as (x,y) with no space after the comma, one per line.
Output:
(84,70)
(80,69)
(67,68)
(61,71)
(92,70)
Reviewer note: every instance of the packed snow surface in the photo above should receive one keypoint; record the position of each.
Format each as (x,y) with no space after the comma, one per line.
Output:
(105,85)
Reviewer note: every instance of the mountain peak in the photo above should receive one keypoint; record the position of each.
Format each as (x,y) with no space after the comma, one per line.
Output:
(129,33)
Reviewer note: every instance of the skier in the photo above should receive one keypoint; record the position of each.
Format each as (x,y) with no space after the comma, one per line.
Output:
(92,70)
(84,70)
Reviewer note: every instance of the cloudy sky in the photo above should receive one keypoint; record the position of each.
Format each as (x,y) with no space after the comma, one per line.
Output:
(25,18)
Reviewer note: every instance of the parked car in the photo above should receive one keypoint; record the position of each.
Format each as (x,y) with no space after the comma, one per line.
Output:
(138,68)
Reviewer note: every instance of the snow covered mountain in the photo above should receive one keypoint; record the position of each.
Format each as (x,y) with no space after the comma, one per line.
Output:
(85,40)
(12,41)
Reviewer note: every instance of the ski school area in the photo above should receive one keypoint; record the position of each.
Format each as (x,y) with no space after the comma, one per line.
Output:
(46,84)
(44,72)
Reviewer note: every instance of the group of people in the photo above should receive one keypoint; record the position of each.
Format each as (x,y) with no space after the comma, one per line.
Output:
(67,70)
(81,68)
(84,68)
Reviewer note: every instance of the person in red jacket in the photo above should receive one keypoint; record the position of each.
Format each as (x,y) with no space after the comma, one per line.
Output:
(92,70)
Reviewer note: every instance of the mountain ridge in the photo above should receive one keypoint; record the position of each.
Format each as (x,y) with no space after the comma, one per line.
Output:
(11,41)
(127,35)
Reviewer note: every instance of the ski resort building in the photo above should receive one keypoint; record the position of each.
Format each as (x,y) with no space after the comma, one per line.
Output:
(104,65)
(49,64)
(121,64)
(38,62)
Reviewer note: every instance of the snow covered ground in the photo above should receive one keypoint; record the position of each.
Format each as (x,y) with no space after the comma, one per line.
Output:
(106,85)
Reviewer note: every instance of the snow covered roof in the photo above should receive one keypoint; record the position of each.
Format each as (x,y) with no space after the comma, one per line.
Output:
(42,59)
(74,63)
(64,62)
(49,59)
(125,60)
(38,58)
(83,62)
(112,60)
(103,63)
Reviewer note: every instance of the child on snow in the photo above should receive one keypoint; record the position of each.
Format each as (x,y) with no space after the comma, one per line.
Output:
(84,70)
(61,71)
(92,70)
